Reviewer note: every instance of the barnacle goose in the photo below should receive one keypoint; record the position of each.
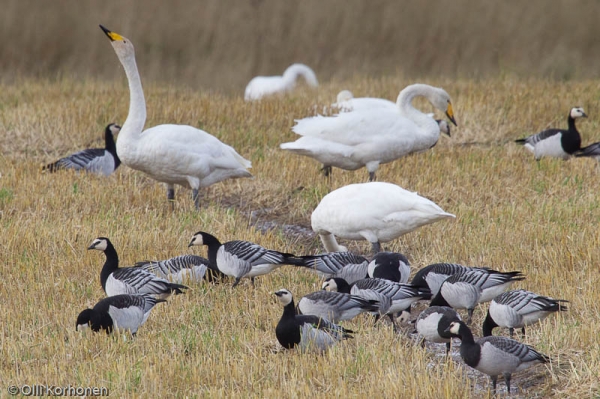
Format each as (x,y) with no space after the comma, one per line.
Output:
(345,265)
(556,143)
(391,266)
(519,308)
(121,312)
(308,332)
(393,297)
(180,268)
(241,259)
(591,151)
(466,289)
(130,280)
(102,161)
(432,323)
(434,275)
(495,355)
(335,306)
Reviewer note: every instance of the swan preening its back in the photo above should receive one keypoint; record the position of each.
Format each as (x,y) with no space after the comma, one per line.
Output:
(172,154)
(372,136)
(376,212)
(263,86)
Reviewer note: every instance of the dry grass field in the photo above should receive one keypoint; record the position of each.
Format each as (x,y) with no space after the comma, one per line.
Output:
(512,214)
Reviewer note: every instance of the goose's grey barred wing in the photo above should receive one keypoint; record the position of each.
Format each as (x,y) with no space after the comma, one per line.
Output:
(525,302)
(331,263)
(178,268)
(135,280)
(325,325)
(254,254)
(525,353)
(592,150)
(335,306)
(536,138)
(433,276)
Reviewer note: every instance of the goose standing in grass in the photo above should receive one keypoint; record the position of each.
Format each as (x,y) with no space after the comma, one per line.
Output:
(264,86)
(518,309)
(184,267)
(172,154)
(434,275)
(335,306)
(432,323)
(391,266)
(495,355)
(130,280)
(556,143)
(308,332)
(125,312)
(370,137)
(464,290)
(241,259)
(393,297)
(101,161)
(376,212)
(345,265)
(591,151)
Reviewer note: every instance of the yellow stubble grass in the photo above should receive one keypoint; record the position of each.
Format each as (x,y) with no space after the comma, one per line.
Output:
(512,214)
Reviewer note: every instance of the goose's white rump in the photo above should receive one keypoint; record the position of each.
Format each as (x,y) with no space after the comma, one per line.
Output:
(263,86)
(372,135)
(376,212)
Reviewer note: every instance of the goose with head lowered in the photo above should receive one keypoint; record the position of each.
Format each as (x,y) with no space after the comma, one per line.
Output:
(264,86)
(464,290)
(495,355)
(391,266)
(171,154)
(101,161)
(307,332)
(376,211)
(183,267)
(393,297)
(130,280)
(432,323)
(346,265)
(518,309)
(125,312)
(434,275)
(556,143)
(370,137)
(241,259)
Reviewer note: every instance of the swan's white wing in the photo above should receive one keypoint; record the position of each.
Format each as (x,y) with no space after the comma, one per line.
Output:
(365,103)
(262,86)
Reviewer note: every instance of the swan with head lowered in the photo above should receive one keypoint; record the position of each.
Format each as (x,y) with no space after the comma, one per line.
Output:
(373,136)
(172,154)
(376,212)
(263,86)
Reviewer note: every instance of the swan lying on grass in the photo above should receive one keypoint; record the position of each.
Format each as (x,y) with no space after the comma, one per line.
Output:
(263,86)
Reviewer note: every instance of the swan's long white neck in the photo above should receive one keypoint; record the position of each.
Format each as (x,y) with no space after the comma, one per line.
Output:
(134,124)
(407,110)
(292,73)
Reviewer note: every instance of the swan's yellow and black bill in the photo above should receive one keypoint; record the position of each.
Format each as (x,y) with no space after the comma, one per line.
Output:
(450,114)
(111,35)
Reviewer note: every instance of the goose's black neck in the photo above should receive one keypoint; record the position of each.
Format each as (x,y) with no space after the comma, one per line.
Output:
(110,146)
(342,285)
(439,300)
(289,311)
(488,325)
(111,264)
(213,245)
(469,350)
(571,141)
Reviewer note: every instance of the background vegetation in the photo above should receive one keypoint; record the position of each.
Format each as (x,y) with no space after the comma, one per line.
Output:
(222,44)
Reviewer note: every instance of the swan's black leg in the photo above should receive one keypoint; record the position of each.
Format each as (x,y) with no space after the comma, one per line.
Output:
(171,196)
(196,198)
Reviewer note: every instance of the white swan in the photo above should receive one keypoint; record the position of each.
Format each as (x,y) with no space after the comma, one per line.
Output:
(172,154)
(262,86)
(371,137)
(346,102)
(376,212)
